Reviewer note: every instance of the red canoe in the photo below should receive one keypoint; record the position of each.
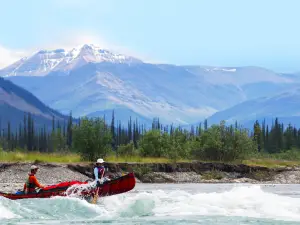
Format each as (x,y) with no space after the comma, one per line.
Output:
(112,187)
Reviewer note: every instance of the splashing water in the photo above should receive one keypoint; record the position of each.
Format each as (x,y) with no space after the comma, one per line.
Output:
(239,205)
(76,189)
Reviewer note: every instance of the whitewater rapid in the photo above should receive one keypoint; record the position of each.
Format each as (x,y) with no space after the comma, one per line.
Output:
(228,205)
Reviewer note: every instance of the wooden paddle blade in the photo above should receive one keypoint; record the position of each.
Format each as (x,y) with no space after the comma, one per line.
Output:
(96,196)
(94,201)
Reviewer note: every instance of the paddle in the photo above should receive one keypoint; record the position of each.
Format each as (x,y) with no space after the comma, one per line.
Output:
(96,196)
(94,201)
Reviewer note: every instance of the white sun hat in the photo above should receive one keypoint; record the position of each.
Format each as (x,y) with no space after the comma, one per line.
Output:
(33,167)
(100,161)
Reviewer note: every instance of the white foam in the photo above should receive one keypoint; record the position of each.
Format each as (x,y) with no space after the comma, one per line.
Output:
(241,201)
(76,189)
(6,213)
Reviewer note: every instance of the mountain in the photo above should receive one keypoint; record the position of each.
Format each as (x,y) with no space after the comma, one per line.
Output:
(15,102)
(253,81)
(44,61)
(122,115)
(167,91)
(89,80)
(285,106)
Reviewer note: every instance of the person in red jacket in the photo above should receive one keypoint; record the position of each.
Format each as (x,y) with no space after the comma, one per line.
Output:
(32,183)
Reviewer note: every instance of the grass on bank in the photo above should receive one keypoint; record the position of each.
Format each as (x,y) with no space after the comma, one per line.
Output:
(289,158)
(283,159)
(140,159)
(271,163)
(19,156)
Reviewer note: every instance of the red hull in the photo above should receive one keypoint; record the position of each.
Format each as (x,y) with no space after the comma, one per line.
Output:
(113,187)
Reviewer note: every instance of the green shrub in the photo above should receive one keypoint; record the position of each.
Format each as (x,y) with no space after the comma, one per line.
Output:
(220,143)
(92,139)
(212,175)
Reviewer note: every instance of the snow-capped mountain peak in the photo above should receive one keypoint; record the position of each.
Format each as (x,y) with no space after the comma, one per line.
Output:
(39,63)
(94,53)
(43,61)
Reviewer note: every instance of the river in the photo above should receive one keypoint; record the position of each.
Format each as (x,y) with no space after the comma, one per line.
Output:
(225,204)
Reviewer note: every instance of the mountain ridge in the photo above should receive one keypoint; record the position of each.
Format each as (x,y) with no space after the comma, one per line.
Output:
(176,94)
(15,102)
(43,61)
(283,105)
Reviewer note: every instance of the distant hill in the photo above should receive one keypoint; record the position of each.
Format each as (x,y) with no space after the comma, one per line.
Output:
(15,102)
(285,106)
(123,115)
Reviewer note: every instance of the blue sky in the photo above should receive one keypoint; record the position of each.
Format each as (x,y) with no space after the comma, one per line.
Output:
(212,32)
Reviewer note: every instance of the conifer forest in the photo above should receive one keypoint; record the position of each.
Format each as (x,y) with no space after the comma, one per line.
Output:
(94,137)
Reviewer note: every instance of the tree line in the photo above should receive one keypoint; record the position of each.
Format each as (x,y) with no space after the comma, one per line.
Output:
(95,137)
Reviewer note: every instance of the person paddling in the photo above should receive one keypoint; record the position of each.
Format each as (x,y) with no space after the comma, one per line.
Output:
(99,171)
(32,183)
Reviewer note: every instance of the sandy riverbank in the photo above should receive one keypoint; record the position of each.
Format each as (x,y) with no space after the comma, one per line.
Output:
(13,175)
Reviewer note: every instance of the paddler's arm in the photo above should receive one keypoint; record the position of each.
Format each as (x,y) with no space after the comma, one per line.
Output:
(37,183)
(96,174)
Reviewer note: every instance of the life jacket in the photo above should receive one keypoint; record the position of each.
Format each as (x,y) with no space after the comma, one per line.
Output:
(30,186)
(101,170)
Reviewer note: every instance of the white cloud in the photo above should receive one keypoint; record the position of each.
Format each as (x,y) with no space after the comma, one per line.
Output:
(71,39)
(8,56)
(67,41)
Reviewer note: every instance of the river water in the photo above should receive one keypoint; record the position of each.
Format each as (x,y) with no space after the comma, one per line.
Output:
(174,204)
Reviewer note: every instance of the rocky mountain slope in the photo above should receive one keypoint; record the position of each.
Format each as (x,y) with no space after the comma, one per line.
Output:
(89,80)
(285,106)
(15,102)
